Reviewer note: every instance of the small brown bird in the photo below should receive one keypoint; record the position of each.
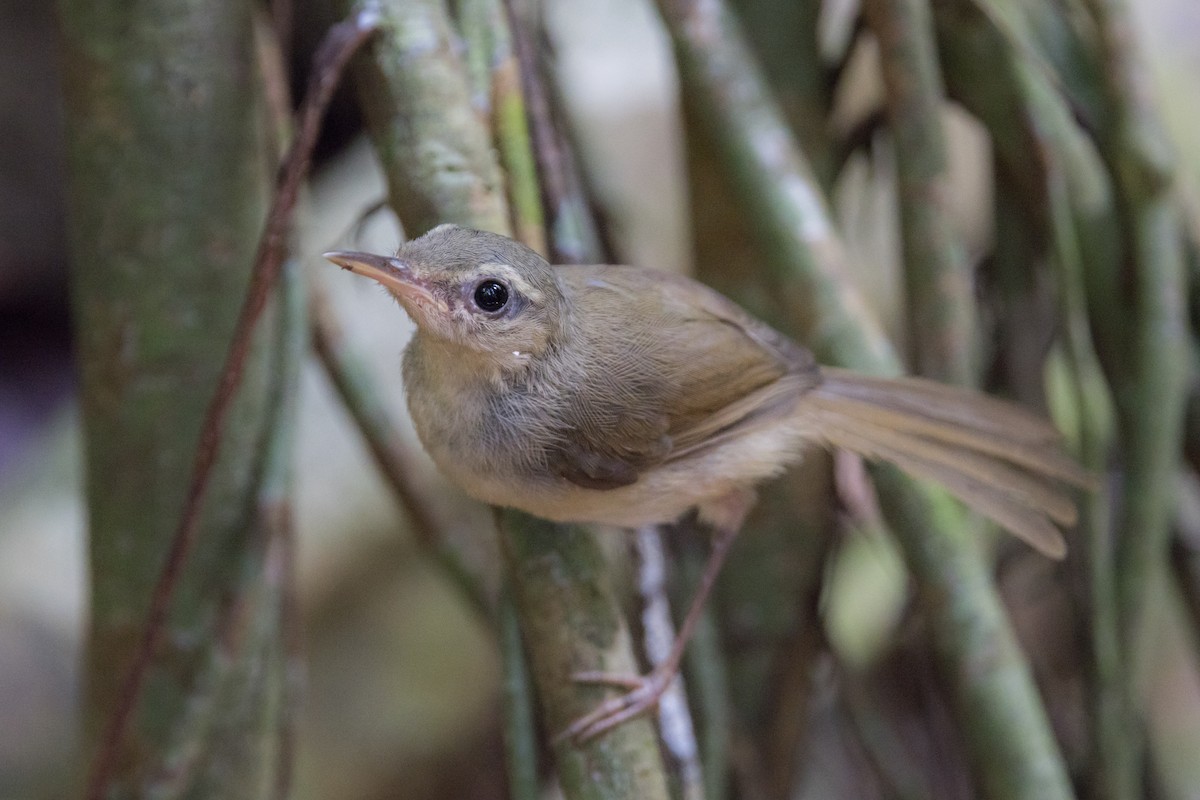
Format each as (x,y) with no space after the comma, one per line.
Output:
(624,396)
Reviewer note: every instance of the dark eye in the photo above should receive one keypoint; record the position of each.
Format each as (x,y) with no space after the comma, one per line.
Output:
(491,295)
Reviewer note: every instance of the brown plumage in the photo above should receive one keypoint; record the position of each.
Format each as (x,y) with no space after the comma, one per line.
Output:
(626,396)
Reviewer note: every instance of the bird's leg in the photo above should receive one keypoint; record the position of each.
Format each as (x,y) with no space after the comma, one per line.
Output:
(646,690)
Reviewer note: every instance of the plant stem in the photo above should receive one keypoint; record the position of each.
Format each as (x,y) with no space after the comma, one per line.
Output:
(496,82)
(436,155)
(561,584)
(1005,725)
(940,299)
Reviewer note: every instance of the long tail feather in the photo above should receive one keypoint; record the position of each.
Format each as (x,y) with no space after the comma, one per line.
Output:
(998,459)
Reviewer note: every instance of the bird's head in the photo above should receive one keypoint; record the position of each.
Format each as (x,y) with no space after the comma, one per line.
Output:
(477,290)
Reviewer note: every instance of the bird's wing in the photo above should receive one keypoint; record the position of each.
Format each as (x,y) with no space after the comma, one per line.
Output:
(671,368)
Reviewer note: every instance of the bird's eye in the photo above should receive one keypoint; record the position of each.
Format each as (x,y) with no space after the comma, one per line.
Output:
(491,295)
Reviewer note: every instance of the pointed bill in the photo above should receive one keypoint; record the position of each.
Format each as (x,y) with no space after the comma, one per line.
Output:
(392,273)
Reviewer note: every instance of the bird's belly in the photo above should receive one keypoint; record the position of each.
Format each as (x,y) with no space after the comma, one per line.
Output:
(661,494)
(645,502)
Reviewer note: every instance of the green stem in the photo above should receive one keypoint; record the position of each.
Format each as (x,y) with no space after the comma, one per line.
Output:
(561,585)
(1151,387)
(437,157)
(1064,189)
(786,35)
(940,299)
(1006,727)
(497,81)
(1112,771)
(169,169)
(275,516)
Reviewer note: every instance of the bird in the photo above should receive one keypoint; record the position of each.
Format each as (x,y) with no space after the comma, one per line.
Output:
(628,397)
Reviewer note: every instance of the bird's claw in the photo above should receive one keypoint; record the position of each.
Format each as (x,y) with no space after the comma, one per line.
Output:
(644,693)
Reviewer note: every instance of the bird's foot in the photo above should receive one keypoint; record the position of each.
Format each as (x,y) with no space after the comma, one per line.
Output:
(644,693)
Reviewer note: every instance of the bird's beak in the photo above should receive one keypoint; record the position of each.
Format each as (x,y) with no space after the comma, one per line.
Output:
(392,273)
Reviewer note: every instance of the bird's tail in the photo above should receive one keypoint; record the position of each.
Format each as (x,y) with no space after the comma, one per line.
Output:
(1001,460)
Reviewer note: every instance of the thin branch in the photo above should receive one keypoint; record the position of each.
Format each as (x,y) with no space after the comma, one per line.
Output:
(335,51)
(705,663)
(275,506)
(543,135)
(1151,390)
(658,635)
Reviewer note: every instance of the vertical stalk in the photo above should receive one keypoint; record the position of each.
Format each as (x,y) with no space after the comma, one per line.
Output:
(520,727)
(1150,385)
(940,301)
(1151,391)
(998,708)
(436,155)
(580,598)
(168,153)
(1064,188)
(495,74)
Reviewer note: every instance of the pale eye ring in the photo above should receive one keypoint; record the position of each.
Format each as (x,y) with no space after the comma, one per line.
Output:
(491,295)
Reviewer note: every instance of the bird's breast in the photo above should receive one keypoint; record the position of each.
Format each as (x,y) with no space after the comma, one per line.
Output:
(486,434)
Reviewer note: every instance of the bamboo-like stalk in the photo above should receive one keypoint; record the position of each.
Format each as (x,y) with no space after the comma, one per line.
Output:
(436,155)
(580,598)
(940,298)
(1150,385)
(205,761)
(572,236)
(771,176)
(495,75)
(441,168)
(163,180)
(1110,767)
(1150,390)
(786,36)
(1064,187)
(1005,725)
